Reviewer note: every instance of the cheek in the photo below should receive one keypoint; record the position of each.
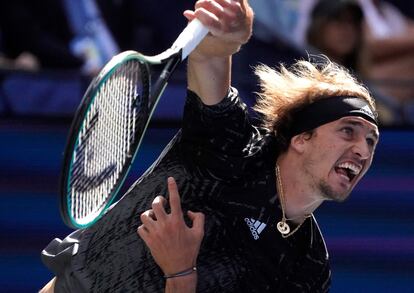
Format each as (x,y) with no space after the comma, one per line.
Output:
(330,155)
(327,150)
(324,156)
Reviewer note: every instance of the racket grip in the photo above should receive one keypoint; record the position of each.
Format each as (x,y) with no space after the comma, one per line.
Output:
(190,37)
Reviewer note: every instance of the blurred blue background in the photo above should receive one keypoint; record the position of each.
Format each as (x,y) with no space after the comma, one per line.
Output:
(370,237)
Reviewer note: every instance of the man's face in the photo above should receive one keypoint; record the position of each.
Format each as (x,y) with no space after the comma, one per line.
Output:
(338,154)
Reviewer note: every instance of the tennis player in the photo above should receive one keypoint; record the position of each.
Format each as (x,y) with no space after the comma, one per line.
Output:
(257,186)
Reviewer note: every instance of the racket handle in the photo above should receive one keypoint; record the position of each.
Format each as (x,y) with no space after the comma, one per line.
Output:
(190,37)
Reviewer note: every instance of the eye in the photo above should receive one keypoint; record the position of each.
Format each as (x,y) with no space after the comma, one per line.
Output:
(349,131)
(370,142)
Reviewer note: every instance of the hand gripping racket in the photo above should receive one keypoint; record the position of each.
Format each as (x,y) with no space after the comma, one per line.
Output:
(109,125)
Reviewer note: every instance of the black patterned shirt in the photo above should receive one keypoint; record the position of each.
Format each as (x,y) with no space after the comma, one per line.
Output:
(224,167)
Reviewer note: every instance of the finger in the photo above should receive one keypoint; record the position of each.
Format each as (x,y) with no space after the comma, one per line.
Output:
(147,220)
(222,9)
(230,7)
(208,19)
(189,14)
(158,205)
(175,202)
(151,214)
(198,221)
(223,3)
(142,231)
(211,6)
(144,234)
(243,4)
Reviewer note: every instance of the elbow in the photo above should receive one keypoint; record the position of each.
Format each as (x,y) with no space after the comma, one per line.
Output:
(50,287)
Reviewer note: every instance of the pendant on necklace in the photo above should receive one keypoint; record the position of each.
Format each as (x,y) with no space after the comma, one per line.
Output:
(283,227)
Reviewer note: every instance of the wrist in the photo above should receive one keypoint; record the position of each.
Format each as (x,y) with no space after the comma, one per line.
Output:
(182,273)
(212,48)
(183,284)
(203,58)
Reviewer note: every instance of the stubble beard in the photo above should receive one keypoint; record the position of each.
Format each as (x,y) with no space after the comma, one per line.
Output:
(321,186)
(330,194)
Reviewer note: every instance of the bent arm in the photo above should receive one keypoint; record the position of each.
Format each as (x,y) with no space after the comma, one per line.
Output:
(50,287)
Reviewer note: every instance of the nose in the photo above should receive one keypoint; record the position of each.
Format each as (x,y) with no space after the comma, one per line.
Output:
(362,149)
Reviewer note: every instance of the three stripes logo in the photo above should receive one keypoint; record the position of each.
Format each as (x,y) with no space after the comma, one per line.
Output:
(256,227)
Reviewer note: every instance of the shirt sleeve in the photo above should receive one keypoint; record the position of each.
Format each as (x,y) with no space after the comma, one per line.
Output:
(215,138)
(58,256)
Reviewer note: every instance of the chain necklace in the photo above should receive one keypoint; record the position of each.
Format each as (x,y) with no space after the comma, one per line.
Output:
(282,225)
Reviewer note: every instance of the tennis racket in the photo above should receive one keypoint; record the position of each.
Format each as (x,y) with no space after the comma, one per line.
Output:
(109,125)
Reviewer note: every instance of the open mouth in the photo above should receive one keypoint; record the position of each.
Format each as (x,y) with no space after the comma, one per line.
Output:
(348,170)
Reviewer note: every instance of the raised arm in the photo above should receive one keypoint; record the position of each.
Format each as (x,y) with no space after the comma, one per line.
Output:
(209,66)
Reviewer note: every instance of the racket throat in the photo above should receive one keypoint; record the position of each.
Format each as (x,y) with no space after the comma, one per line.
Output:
(162,81)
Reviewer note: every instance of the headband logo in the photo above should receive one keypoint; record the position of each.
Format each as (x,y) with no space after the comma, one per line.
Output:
(327,110)
(367,110)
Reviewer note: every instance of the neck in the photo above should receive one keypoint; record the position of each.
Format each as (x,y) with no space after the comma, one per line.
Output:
(299,198)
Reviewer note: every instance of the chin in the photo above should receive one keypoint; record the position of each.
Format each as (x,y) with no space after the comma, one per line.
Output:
(330,193)
(341,197)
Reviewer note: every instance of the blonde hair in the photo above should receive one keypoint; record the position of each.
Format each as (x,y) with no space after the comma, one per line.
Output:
(288,89)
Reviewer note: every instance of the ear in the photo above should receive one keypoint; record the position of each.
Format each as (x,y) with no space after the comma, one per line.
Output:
(299,142)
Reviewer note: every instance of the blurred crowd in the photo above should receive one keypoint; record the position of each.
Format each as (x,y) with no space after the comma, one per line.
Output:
(372,38)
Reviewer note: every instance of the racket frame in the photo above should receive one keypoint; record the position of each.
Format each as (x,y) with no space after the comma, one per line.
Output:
(76,126)
(181,48)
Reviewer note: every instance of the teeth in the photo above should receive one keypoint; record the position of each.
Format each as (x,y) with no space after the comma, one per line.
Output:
(355,169)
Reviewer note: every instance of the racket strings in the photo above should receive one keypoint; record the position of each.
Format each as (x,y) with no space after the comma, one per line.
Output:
(105,140)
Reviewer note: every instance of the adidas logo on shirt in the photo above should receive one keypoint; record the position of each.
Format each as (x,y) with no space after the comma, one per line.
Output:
(256,227)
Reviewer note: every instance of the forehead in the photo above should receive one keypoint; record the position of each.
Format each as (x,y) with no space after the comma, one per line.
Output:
(359,122)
